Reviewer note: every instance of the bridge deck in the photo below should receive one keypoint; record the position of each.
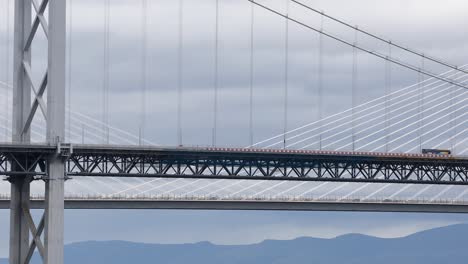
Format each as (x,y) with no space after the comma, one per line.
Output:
(237,163)
(342,206)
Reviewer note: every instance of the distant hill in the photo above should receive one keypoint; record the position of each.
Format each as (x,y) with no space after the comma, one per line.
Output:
(435,246)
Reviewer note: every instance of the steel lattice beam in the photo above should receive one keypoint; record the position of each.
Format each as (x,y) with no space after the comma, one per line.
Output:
(100,161)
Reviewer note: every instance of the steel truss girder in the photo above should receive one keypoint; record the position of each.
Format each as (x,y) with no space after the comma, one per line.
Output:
(319,169)
(24,164)
(180,163)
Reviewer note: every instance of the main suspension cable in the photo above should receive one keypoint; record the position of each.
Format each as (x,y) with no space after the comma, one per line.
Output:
(382,39)
(374,53)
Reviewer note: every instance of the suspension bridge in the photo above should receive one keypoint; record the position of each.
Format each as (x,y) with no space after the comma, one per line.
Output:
(368,157)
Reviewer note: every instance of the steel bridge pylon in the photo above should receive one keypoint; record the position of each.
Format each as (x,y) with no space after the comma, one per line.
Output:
(52,222)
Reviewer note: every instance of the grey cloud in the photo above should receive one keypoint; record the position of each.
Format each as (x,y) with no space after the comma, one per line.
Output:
(427,26)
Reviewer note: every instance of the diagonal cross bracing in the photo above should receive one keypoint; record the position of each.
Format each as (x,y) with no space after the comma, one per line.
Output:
(38,101)
(25,64)
(39,19)
(36,235)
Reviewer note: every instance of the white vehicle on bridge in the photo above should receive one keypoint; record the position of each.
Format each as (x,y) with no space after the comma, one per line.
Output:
(436,151)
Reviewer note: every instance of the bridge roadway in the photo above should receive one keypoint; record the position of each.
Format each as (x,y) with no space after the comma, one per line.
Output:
(414,206)
(235,163)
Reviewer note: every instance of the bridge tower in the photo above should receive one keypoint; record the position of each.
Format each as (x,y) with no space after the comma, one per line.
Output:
(24,110)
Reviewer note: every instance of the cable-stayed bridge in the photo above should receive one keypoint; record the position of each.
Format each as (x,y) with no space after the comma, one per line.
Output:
(365,158)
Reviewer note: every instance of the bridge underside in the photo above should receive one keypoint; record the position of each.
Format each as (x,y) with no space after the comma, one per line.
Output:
(256,205)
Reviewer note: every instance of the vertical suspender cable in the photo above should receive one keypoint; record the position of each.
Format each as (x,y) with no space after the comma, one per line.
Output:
(104,63)
(179,74)
(454,117)
(144,35)
(82,134)
(419,110)
(107,72)
(216,77)
(286,72)
(105,92)
(70,36)
(388,92)
(7,68)
(252,9)
(423,79)
(353,89)
(320,84)
(421,105)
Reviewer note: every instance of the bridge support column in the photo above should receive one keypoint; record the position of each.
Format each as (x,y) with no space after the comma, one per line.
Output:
(19,230)
(24,111)
(54,210)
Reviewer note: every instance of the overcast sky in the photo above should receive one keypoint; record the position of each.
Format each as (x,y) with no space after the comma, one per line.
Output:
(432,27)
